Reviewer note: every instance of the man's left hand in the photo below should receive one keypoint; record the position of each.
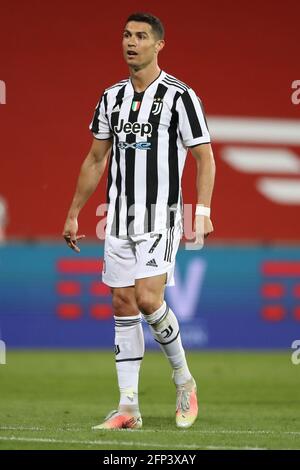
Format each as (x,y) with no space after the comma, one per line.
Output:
(203,227)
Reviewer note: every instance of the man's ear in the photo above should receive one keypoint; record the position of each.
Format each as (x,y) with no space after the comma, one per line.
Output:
(159,46)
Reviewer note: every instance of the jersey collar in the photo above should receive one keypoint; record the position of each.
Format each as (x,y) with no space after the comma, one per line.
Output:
(160,77)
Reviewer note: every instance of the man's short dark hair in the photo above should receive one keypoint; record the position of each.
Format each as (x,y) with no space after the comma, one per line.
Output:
(155,23)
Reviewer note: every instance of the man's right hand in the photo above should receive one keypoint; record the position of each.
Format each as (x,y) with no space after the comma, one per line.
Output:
(70,234)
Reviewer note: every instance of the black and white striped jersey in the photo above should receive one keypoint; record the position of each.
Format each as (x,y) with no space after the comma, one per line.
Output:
(151,134)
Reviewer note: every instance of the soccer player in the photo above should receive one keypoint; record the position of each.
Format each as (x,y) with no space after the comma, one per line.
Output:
(144,126)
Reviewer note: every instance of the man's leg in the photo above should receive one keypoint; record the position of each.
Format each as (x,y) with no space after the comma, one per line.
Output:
(129,345)
(129,352)
(119,273)
(165,329)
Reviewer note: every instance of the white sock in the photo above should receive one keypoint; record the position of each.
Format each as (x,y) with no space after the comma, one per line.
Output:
(129,351)
(165,330)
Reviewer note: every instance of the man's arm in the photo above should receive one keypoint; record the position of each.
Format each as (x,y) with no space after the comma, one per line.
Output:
(206,169)
(90,174)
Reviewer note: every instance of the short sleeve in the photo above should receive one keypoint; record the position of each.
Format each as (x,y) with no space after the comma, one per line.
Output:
(191,120)
(100,124)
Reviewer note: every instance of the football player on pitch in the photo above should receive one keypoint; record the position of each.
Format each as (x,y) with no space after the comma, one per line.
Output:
(144,126)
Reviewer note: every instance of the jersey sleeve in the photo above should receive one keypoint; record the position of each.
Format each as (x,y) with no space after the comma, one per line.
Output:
(191,120)
(100,124)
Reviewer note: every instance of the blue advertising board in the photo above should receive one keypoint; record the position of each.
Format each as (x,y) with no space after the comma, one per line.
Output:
(224,297)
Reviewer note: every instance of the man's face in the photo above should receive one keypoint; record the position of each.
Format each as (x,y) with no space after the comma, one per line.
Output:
(140,45)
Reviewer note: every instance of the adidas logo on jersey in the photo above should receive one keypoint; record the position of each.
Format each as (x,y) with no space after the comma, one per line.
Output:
(152,262)
(134,128)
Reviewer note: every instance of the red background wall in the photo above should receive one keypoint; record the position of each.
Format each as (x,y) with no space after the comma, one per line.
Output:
(56,57)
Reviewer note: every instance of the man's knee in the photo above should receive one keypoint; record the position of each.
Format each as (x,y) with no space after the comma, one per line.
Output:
(123,302)
(149,293)
(148,302)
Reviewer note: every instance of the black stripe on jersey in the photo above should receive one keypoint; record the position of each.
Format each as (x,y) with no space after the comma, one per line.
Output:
(121,83)
(173,163)
(171,244)
(167,245)
(151,166)
(95,124)
(130,166)
(114,122)
(105,105)
(192,115)
(203,112)
(177,85)
(175,80)
(109,175)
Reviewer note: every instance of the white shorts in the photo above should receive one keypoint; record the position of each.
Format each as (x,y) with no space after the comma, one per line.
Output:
(140,256)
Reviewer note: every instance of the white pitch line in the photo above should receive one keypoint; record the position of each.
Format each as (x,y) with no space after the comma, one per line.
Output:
(234,448)
(21,428)
(76,441)
(216,431)
(25,428)
(122,443)
(189,431)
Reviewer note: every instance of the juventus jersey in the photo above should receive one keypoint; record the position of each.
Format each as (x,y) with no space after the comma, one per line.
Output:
(151,133)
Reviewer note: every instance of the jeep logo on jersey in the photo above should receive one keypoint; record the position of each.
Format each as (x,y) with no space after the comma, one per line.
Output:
(134,128)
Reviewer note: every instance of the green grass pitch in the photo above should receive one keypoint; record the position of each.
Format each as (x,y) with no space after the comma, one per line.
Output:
(247,400)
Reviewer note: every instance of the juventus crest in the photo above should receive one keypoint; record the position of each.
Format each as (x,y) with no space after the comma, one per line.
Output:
(157,106)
